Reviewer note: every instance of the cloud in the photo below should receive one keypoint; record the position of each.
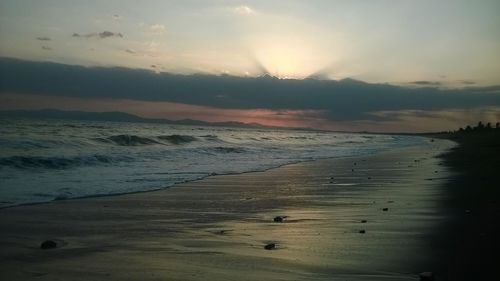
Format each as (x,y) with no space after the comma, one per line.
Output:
(495,89)
(346,100)
(436,120)
(43,38)
(101,35)
(142,53)
(46,48)
(156,29)
(243,10)
(106,34)
(426,83)
(467,82)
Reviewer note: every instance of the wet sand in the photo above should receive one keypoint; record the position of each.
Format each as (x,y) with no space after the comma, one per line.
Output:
(216,228)
(471,235)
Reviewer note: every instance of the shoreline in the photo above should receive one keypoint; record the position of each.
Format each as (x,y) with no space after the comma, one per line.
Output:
(205,225)
(205,177)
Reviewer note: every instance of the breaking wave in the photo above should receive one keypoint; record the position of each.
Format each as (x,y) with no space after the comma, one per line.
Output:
(221,149)
(178,139)
(25,162)
(128,140)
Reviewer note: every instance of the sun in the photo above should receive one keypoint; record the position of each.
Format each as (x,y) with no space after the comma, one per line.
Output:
(283,62)
(290,59)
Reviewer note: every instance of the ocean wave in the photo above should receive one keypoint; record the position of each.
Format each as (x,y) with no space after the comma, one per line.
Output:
(178,139)
(128,140)
(35,162)
(210,137)
(222,149)
(22,144)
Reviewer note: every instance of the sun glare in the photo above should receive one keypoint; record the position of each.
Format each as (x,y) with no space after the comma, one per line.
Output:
(284,62)
(290,60)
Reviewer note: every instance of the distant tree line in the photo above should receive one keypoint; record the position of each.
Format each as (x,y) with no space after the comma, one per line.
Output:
(480,127)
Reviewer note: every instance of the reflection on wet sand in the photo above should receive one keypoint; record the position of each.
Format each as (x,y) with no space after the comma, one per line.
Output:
(369,218)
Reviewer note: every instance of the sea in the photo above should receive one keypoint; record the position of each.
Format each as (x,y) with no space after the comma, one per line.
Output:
(46,160)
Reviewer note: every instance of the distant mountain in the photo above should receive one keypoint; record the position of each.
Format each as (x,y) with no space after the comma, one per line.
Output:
(117,117)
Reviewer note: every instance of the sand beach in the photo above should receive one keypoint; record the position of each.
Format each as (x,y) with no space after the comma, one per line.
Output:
(355,218)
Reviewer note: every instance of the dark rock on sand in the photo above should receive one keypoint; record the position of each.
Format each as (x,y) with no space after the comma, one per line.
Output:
(362,231)
(385,209)
(363,221)
(278,219)
(48,244)
(270,246)
(426,276)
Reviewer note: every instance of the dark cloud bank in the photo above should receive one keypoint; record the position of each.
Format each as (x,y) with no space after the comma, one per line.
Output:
(340,100)
(426,83)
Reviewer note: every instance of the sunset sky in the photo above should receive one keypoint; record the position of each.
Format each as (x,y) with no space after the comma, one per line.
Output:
(412,65)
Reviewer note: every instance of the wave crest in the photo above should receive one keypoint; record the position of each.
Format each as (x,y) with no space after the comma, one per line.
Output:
(35,162)
(222,149)
(128,140)
(178,139)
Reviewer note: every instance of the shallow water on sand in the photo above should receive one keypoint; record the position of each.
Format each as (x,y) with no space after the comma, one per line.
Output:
(43,160)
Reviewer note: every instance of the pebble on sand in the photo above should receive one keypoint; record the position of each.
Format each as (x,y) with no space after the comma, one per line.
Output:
(385,209)
(278,219)
(270,246)
(426,276)
(48,244)
(363,221)
(362,231)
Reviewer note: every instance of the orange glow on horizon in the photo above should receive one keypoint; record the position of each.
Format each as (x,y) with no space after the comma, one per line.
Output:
(410,120)
(167,110)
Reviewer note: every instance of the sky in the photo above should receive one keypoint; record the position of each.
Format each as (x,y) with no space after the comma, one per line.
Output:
(385,65)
